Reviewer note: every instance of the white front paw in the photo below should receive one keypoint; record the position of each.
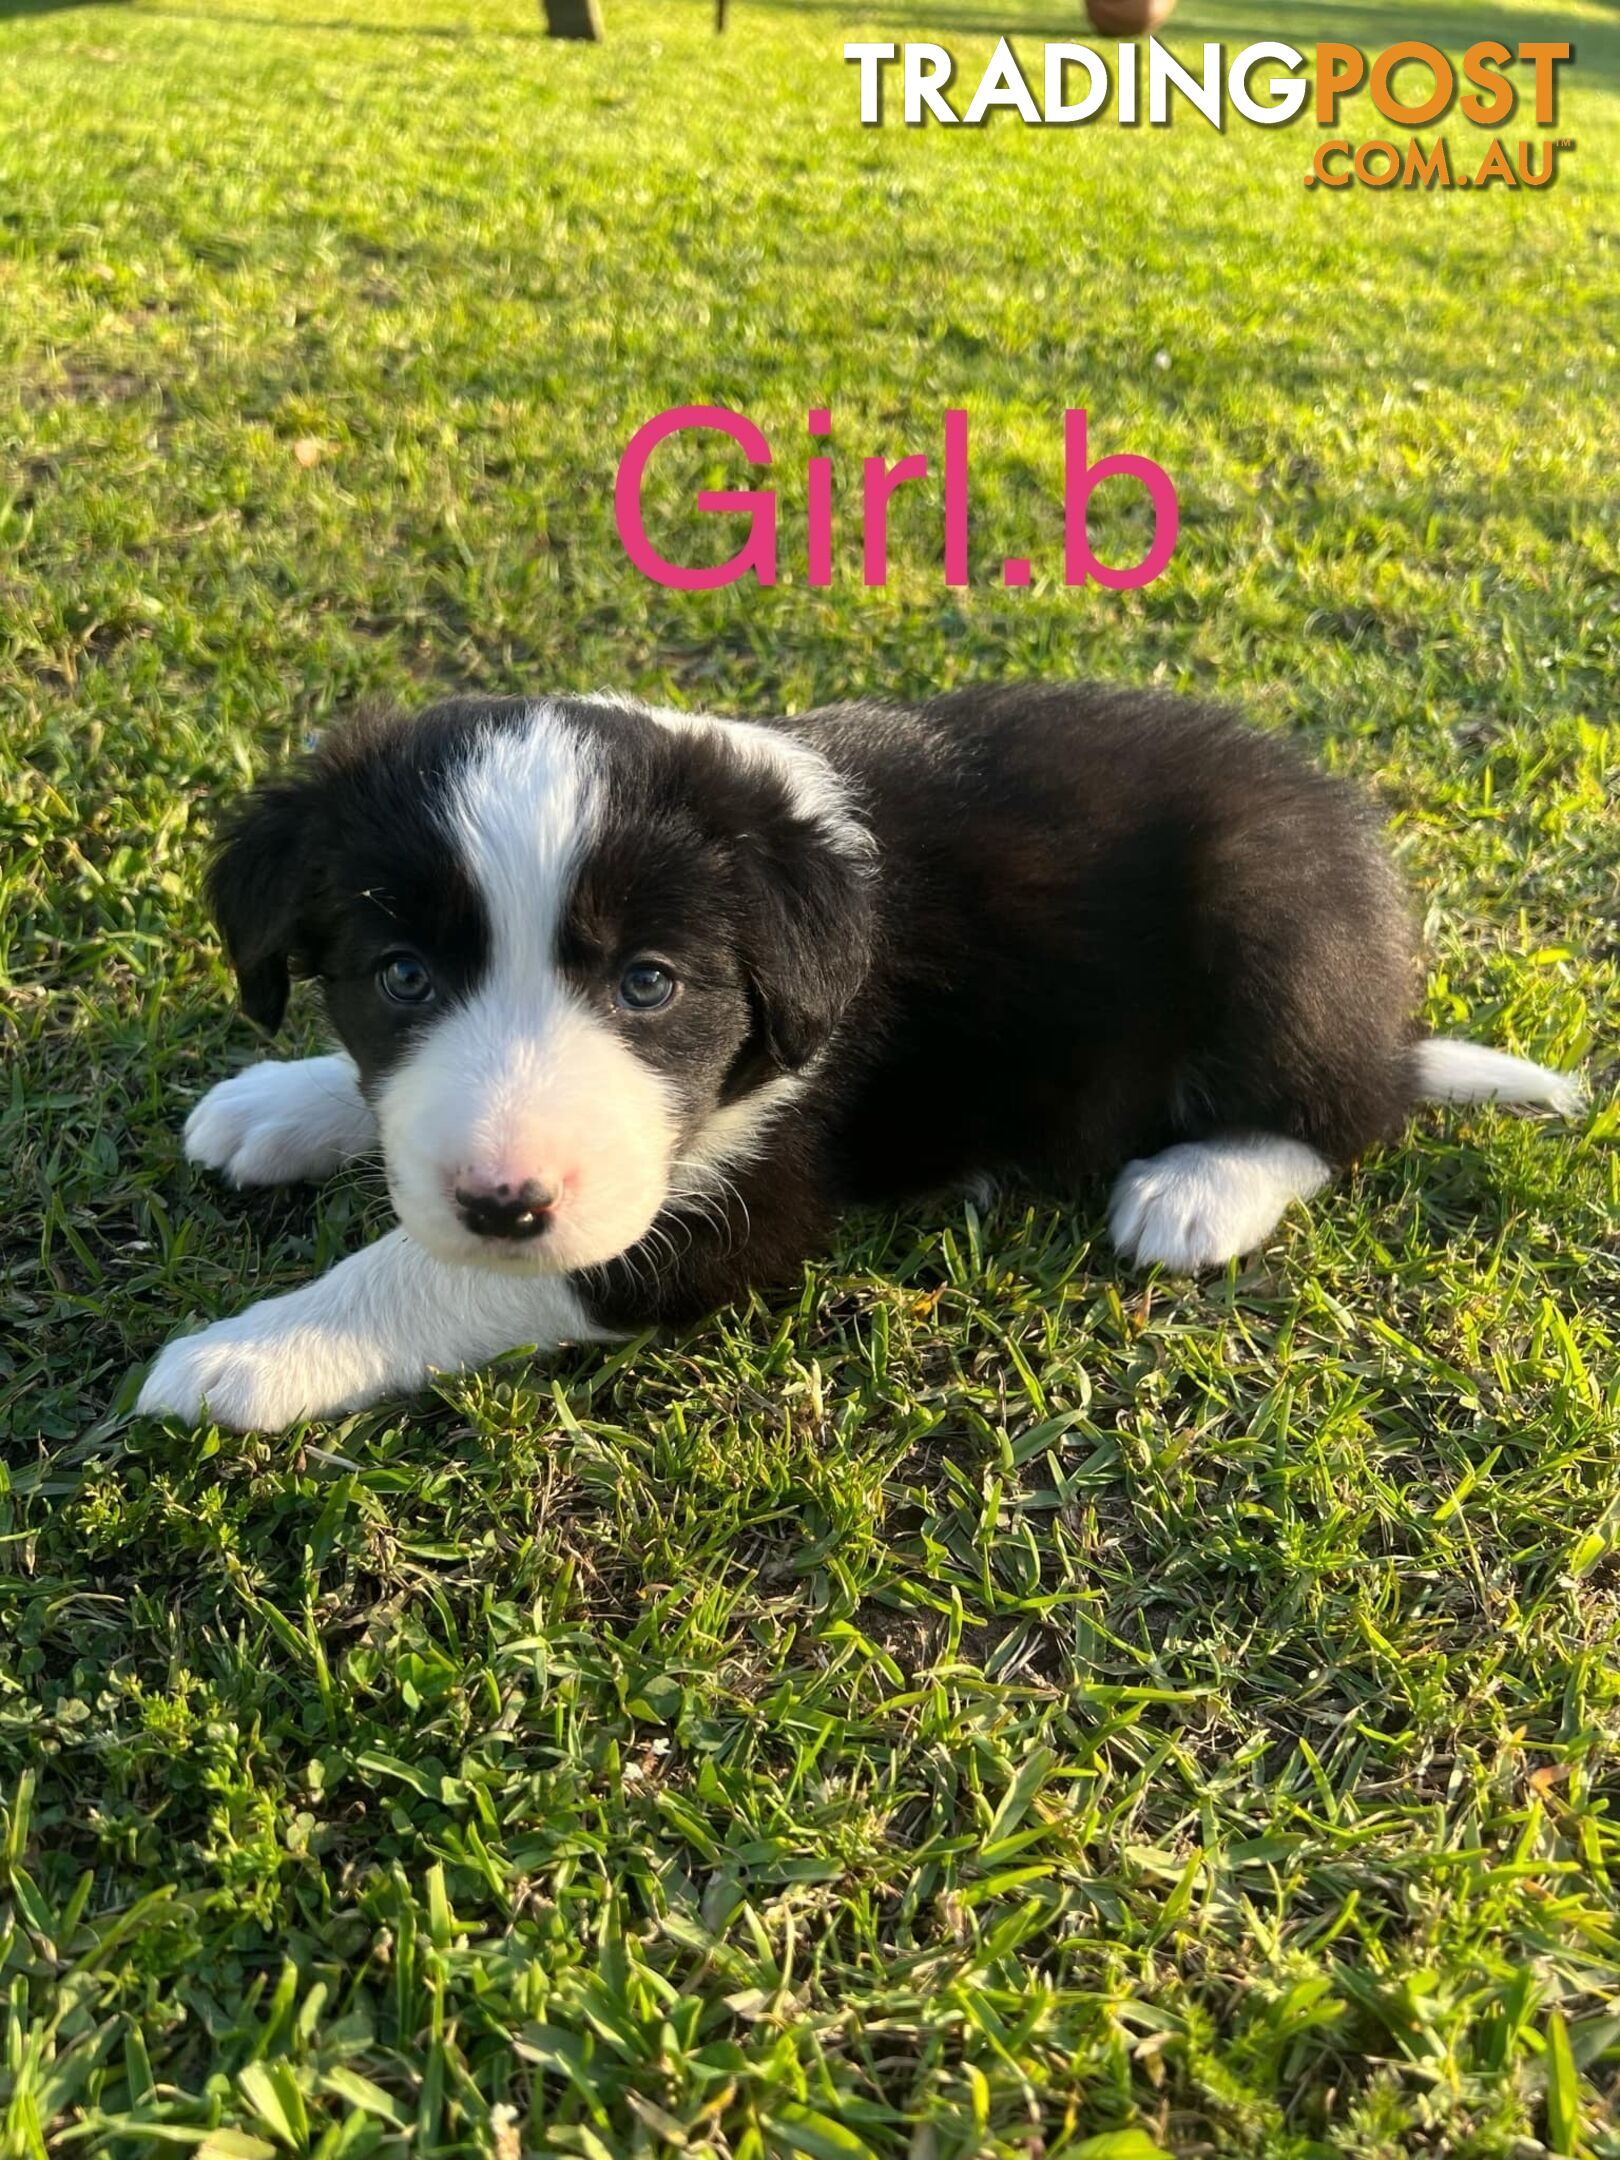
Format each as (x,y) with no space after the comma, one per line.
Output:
(275,1123)
(248,1374)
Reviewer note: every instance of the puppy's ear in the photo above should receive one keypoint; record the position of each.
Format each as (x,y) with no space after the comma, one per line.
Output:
(255,887)
(805,936)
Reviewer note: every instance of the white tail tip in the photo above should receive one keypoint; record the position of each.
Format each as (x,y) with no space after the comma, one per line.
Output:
(1468,1072)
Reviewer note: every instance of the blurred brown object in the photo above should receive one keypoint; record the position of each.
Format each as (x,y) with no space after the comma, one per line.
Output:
(1128,18)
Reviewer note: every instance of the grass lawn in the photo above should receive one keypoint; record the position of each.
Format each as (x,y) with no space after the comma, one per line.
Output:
(980,1702)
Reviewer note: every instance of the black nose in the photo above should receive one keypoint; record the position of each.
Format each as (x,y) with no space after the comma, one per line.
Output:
(505,1212)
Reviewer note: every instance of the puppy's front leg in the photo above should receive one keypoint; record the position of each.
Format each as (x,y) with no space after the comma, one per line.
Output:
(380,1323)
(281,1120)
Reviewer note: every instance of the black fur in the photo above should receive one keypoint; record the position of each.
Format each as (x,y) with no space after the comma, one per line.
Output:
(1105,921)
(1111,921)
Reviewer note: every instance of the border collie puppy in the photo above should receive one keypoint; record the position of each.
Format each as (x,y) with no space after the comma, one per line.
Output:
(634,1001)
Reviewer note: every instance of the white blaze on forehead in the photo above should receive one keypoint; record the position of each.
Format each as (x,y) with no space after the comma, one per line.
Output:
(520,812)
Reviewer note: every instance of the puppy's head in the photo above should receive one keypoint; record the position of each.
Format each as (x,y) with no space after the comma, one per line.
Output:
(580,950)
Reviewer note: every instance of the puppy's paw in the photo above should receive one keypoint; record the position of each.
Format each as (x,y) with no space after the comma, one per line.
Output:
(274,1124)
(247,1374)
(1160,1217)
(1205,1202)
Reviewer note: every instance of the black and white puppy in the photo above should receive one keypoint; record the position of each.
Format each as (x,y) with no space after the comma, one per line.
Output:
(633,1001)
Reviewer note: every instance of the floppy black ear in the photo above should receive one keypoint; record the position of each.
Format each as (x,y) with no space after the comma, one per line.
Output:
(806,936)
(255,887)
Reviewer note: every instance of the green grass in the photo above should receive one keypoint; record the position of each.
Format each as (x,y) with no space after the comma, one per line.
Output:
(982,1702)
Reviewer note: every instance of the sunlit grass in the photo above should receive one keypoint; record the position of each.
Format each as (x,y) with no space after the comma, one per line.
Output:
(981,1701)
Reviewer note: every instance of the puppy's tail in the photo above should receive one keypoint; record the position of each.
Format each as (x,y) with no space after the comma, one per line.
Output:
(1465,1072)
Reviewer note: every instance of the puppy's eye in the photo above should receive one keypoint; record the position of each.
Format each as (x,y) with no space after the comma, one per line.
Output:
(404,980)
(645,987)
